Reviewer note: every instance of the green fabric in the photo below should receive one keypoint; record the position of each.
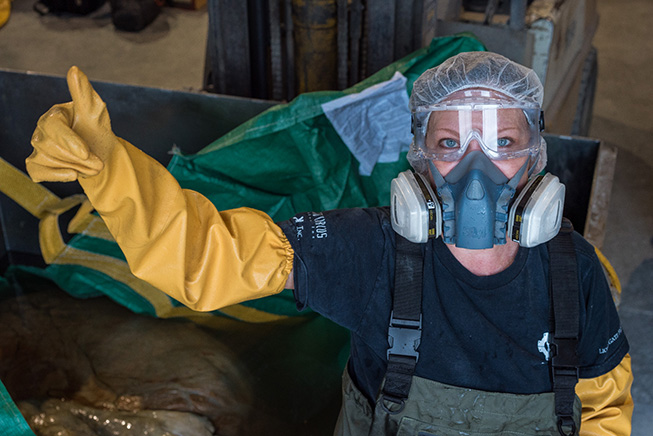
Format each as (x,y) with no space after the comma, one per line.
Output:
(289,159)
(99,246)
(12,422)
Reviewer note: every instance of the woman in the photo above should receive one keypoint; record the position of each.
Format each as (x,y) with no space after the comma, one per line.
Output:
(476,356)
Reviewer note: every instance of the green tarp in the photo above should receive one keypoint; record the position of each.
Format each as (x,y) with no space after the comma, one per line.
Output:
(287,160)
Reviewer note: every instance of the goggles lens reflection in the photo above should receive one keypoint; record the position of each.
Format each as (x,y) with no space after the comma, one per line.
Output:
(501,132)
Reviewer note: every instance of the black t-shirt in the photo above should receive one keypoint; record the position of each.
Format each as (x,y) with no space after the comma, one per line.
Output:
(487,333)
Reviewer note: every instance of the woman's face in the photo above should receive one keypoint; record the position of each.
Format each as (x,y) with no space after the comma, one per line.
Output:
(449,130)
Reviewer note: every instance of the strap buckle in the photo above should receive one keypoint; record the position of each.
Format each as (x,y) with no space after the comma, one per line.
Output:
(391,405)
(404,337)
(565,354)
(566,426)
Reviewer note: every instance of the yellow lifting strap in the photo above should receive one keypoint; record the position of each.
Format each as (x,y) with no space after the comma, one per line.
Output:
(5,11)
(47,207)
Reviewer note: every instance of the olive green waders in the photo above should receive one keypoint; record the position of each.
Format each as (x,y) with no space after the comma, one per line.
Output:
(436,409)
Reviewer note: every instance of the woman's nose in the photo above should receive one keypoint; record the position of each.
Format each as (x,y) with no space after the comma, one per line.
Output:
(473,145)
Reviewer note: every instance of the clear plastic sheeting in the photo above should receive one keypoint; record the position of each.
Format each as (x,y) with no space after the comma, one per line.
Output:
(78,367)
(111,364)
(68,418)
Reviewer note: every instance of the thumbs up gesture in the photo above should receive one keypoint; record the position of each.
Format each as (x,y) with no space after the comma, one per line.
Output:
(73,139)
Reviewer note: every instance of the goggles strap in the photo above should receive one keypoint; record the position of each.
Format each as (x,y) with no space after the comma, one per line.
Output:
(532,168)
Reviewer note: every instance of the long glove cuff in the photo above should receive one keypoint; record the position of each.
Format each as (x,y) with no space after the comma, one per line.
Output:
(177,240)
(607,402)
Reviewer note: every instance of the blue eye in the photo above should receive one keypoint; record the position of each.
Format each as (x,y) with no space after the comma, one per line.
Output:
(449,143)
(503,142)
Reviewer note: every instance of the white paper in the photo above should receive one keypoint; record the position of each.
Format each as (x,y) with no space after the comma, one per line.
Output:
(375,123)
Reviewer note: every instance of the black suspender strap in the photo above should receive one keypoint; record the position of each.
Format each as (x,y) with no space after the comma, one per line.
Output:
(564,291)
(405,331)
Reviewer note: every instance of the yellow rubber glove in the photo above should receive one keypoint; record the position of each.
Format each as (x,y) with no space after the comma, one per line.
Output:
(607,402)
(175,239)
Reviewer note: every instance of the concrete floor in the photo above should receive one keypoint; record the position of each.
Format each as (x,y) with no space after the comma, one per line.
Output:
(170,54)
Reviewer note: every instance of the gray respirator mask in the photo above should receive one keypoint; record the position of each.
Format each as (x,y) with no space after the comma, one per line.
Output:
(475,207)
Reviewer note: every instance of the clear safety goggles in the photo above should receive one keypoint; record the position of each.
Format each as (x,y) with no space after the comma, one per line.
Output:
(503,130)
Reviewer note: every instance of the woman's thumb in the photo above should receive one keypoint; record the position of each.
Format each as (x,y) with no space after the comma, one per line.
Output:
(88,108)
